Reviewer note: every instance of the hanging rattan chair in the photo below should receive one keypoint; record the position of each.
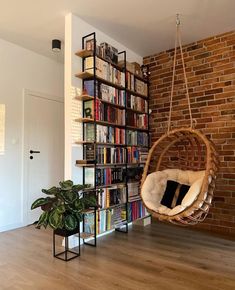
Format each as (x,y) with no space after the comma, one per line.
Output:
(181,152)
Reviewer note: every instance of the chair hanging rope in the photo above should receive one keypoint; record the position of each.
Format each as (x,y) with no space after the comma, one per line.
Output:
(178,40)
(184,156)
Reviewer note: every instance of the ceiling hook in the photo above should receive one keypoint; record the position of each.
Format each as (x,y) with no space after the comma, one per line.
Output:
(177,19)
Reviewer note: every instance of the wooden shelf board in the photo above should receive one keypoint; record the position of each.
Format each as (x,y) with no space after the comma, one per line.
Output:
(111,104)
(136,111)
(112,206)
(100,143)
(88,75)
(84,142)
(85,120)
(84,98)
(111,185)
(84,53)
(86,235)
(89,120)
(136,94)
(134,164)
(138,77)
(100,165)
(136,128)
(88,97)
(88,162)
(84,75)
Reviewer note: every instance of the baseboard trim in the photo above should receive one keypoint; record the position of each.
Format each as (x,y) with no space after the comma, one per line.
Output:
(11,227)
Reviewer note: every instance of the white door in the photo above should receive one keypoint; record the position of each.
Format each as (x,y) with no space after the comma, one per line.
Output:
(44,135)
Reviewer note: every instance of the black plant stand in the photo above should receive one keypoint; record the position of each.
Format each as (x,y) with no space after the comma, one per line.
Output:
(64,255)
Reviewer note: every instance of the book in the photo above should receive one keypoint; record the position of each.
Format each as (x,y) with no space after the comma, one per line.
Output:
(89,152)
(89,132)
(89,223)
(89,176)
(88,109)
(90,87)
(85,161)
(136,138)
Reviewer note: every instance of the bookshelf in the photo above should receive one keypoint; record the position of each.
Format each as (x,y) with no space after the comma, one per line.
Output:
(115,125)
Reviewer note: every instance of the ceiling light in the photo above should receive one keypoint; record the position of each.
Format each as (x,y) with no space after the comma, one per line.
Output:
(56,45)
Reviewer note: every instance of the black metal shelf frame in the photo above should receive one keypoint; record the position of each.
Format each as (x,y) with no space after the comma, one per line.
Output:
(124,227)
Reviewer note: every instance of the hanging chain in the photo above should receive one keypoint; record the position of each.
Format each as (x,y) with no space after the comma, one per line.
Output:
(178,39)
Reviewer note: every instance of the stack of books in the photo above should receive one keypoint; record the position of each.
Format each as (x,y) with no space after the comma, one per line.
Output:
(108,113)
(137,103)
(137,120)
(111,196)
(136,210)
(107,176)
(133,191)
(107,155)
(141,87)
(137,138)
(105,71)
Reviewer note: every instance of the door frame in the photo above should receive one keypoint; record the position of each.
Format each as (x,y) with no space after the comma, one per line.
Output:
(24,156)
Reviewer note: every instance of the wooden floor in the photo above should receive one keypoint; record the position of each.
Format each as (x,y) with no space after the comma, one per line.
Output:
(159,256)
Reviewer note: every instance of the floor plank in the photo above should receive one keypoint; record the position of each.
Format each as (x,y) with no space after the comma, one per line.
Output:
(158,256)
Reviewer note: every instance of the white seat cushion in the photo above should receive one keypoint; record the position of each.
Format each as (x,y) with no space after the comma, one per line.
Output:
(155,185)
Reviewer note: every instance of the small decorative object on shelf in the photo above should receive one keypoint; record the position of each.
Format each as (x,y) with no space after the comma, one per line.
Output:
(63,209)
(115,122)
(145,71)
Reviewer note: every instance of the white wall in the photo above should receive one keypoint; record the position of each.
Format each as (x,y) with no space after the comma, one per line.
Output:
(75,29)
(20,69)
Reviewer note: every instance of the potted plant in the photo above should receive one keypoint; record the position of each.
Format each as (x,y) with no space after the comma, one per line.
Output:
(63,206)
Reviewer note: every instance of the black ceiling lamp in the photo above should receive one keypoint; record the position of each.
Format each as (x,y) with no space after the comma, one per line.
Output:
(56,45)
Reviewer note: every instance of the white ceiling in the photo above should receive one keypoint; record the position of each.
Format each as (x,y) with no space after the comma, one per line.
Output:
(145,26)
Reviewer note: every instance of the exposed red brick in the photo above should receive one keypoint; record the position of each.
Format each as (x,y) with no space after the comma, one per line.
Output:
(210,66)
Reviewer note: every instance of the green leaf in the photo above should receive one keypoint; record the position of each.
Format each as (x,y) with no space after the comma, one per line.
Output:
(39,202)
(66,185)
(79,205)
(70,222)
(78,215)
(55,219)
(60,209)
(42,219)
(79,187)
(70,196)
(51,191)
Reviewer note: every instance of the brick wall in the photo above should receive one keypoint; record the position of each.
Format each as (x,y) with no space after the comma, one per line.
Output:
(210,67)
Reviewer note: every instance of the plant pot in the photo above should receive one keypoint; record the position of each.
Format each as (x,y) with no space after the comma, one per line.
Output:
(67,254)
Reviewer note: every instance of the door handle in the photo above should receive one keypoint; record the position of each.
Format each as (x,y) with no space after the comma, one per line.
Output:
(32,151)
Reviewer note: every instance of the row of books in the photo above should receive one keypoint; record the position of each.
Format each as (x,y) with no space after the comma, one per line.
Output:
(105,70)
(107,176)
(133,191)
(137,138)
(136,85)
(105,220)
(136,155)
(107,155)
(104,92)
(141,87)
(103,50)
(111,196)
(137,103)
(108,113)
(108,134)
(137,120)
(112,95)
(136,210)
(104,134)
